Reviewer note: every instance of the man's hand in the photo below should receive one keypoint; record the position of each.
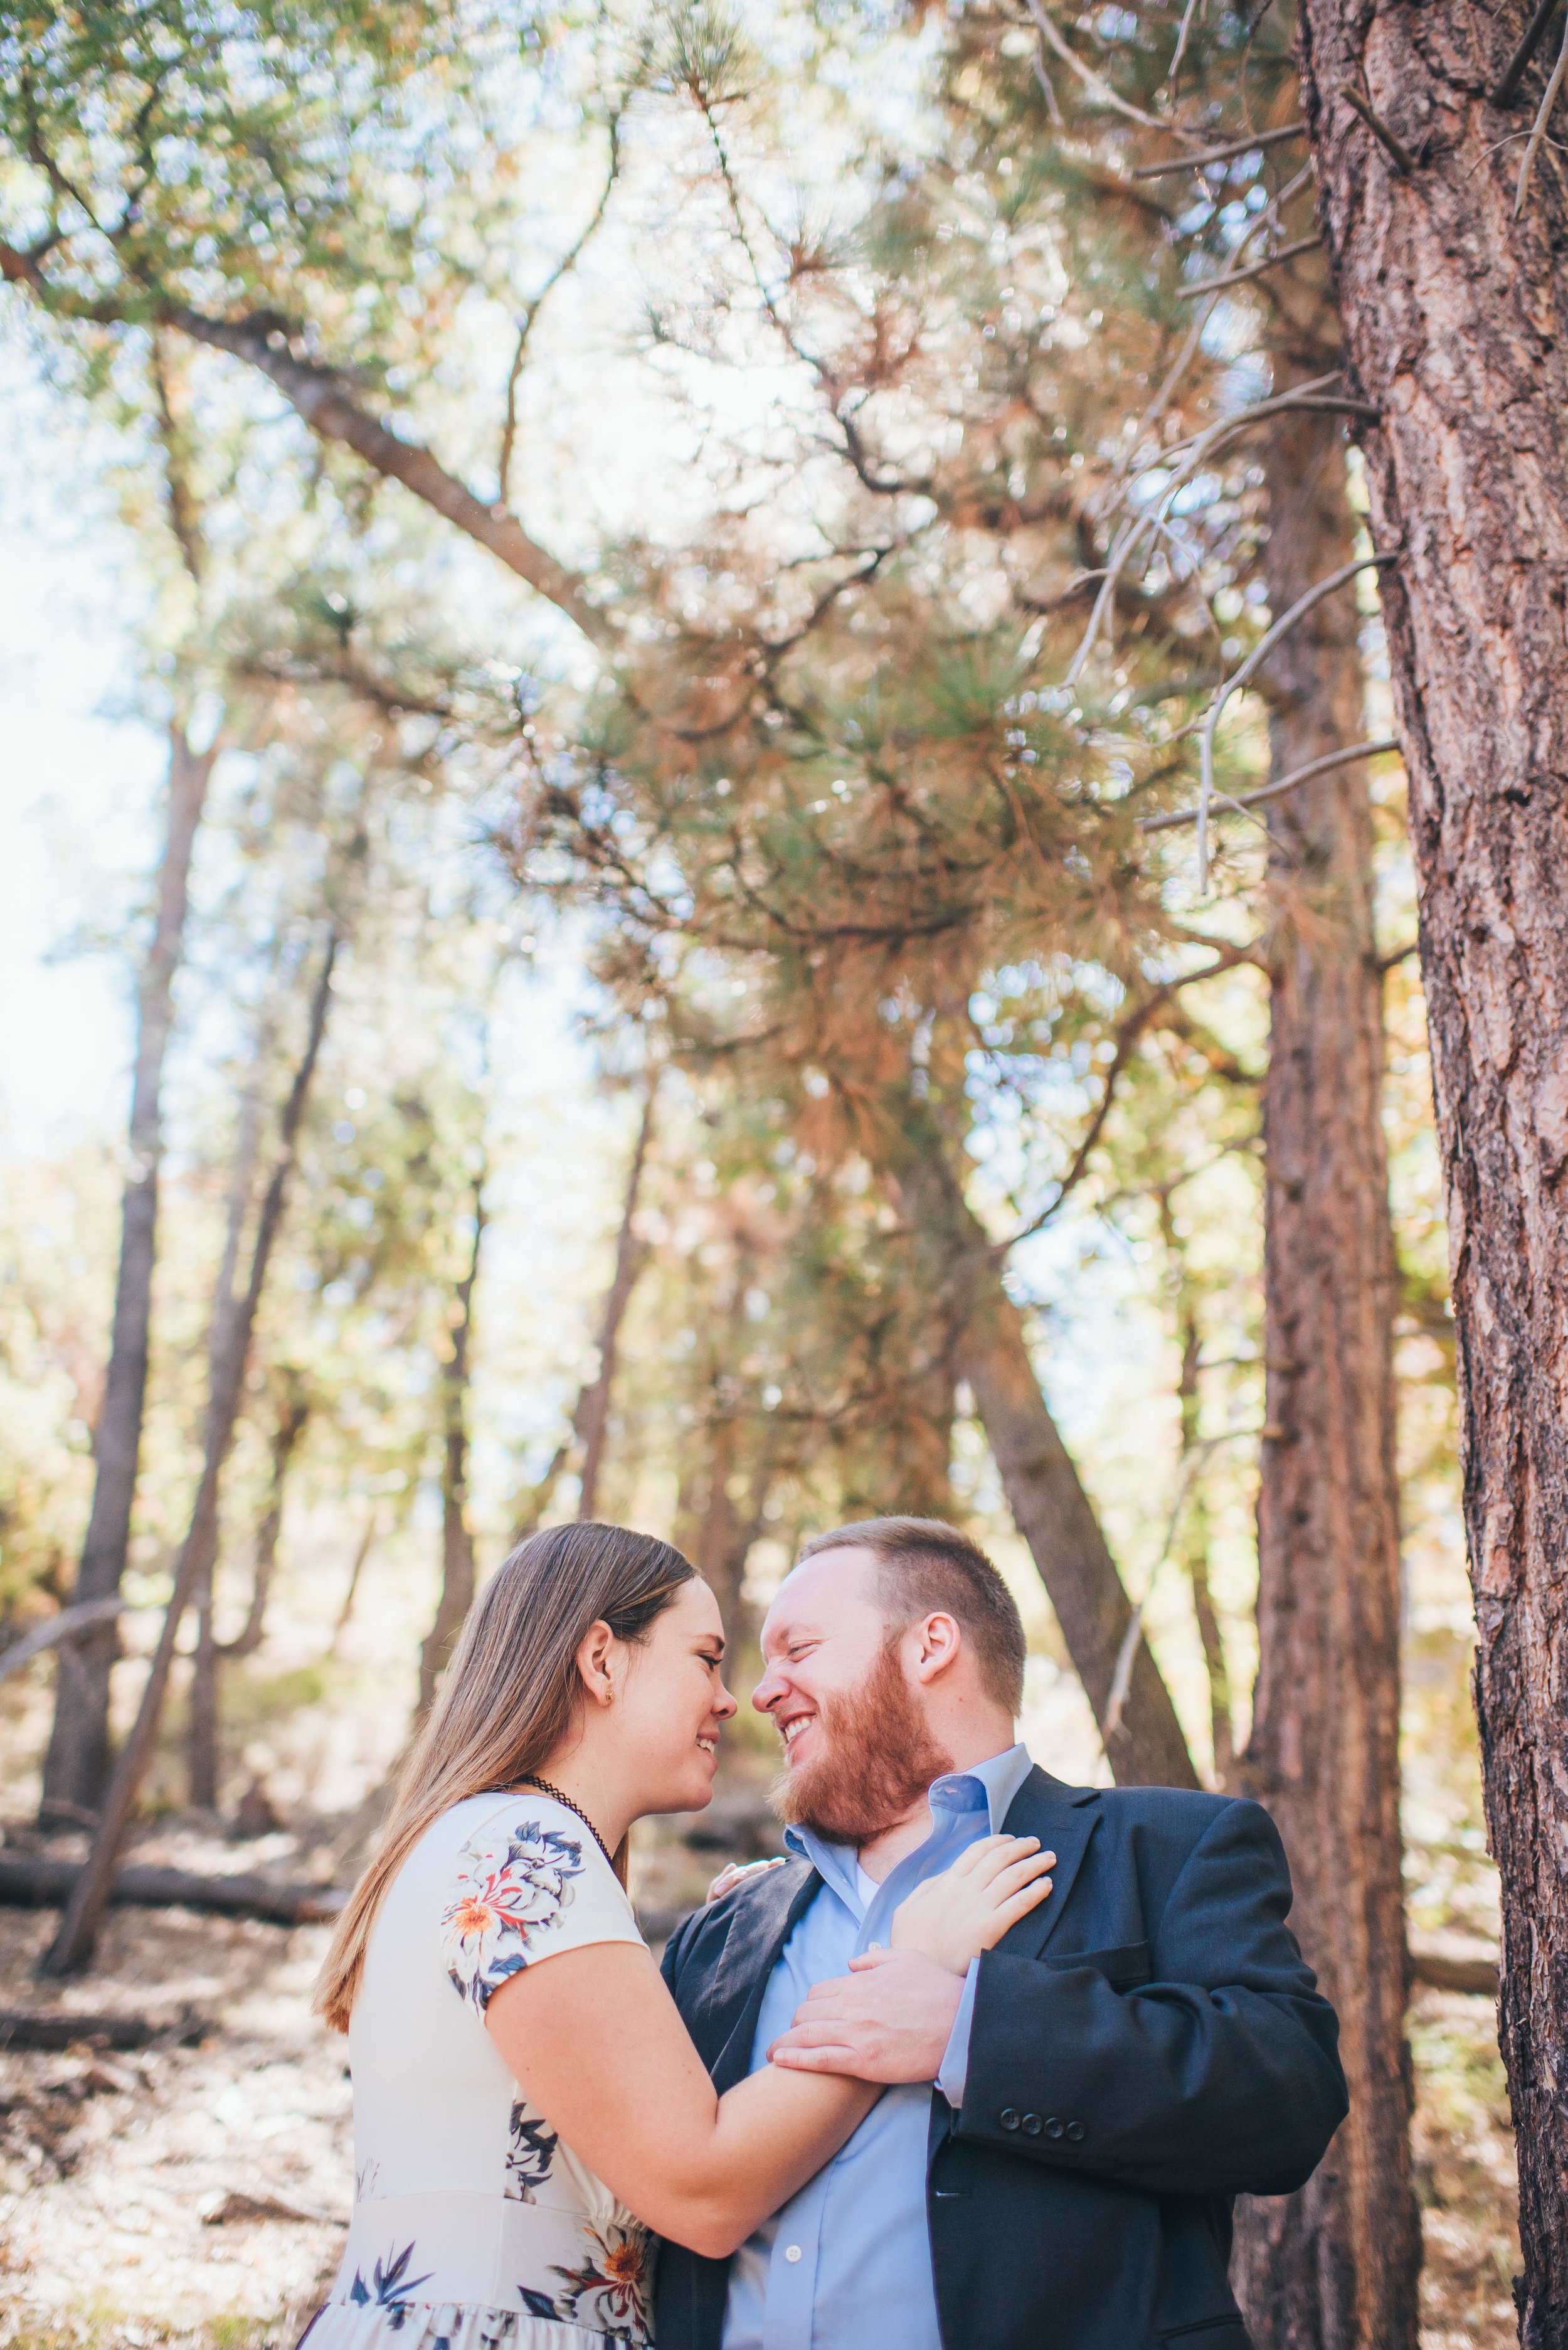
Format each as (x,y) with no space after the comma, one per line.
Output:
(737,1873)
(889,2020)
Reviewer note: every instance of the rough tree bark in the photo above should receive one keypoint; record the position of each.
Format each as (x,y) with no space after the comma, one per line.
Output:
(1334,2267)
(457,1569)
(1454,316)
(73,1946)
(76,1766)
(1048,1503)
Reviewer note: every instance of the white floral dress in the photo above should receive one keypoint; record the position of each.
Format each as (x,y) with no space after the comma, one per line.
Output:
(474,2227)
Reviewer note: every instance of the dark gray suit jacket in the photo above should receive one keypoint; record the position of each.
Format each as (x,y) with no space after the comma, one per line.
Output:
(1146,2046)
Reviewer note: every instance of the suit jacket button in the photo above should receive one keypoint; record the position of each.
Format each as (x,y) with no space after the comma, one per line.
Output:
(1056,2126)
(1008,2118)
(1031,2125)
(1077,2132)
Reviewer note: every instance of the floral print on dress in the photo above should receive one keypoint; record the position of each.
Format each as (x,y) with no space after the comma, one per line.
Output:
(530,2151)
(390,2288)
(510,1885)
(609,2293)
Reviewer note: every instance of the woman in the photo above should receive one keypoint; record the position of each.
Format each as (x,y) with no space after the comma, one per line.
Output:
(520,2128)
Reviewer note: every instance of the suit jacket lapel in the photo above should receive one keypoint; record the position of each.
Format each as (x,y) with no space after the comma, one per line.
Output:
(1064,1819)
(725,2023)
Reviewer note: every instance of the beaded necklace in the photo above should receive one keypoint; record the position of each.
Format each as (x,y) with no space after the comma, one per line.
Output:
(531,1779)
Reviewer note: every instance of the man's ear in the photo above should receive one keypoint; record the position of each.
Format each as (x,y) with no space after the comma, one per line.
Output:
(596,1652)
(939,1638)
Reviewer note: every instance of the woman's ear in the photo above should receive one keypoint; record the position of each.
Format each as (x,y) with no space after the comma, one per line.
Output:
(596,1663)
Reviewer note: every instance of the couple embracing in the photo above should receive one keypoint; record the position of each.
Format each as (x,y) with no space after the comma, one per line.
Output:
(979,2067)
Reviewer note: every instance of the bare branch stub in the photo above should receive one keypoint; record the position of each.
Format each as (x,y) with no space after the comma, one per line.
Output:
(1538,128)
(1253,269)
(1273,791)
(1393,148)
(1248,670)
(1513,74)
(1226,154)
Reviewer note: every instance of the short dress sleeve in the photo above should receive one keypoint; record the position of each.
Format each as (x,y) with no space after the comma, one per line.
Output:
(530,1882)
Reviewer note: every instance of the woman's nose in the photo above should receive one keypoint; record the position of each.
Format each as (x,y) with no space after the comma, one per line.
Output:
(728,1704)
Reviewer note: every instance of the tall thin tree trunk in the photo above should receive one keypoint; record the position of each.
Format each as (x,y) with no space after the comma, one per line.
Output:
(1336,2266)
(1190,1532)
(457,1566)
(1455,320)
(1048,1503)
(73,1946)
(76,1765)
(294,1415)
(591,1420)
(367,1541)
(590,1413)
(202,1727)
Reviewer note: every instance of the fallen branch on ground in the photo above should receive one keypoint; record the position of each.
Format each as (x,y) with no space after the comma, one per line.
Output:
(237,2206)
(58,2031)
(30,1883)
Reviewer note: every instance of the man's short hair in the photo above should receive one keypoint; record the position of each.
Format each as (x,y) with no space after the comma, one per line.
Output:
(924,1565)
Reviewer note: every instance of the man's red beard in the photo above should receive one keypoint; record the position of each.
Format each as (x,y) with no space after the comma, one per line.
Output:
(878,1759)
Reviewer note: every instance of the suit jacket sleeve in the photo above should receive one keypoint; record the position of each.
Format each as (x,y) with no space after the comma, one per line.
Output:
(675,1949)
(1220,2076)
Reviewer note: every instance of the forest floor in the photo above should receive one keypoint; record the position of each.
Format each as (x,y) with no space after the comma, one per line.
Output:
(122,2177)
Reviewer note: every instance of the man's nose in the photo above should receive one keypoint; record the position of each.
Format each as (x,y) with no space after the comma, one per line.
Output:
(768,1692)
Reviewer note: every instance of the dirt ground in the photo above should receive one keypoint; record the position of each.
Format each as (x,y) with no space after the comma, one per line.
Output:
(119,2174)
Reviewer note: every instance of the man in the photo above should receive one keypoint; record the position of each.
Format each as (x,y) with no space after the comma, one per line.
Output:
(1053,2164)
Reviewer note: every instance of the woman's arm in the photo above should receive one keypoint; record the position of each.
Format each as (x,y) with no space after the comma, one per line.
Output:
(596,2042)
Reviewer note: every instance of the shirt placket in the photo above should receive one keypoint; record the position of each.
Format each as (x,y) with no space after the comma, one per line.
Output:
(793,2268)
(794,2264)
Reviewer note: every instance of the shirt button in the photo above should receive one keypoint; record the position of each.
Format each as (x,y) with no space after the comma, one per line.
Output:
(792,2251)
(876,1946)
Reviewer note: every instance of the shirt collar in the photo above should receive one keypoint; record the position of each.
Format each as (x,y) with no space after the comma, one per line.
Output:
(991,1784)
(988,1786)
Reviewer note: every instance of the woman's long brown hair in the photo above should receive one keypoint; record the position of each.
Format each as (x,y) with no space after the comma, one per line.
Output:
(510,1695)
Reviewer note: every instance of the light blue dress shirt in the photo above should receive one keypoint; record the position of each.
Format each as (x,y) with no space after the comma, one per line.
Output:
(847,2264)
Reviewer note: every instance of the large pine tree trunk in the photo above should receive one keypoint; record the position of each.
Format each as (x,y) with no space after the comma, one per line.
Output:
(1455,320)
(1145,1745)
(76,1766)
(1336,2266)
